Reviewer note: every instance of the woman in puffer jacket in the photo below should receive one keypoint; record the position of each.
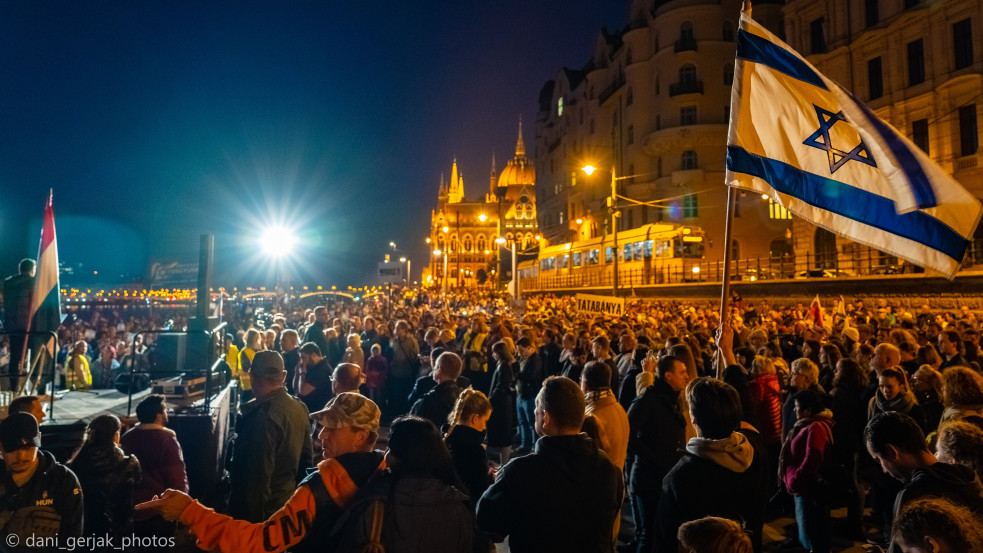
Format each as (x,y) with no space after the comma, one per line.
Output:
(807,451)
(107,477)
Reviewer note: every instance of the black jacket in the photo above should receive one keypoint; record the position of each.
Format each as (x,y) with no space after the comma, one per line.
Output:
(107,476)
(47,505)
(563,497)
(550,354)
(502,398)
(698,487)
(531,376)
(957,483)
(426,383)
(658,435)
(419,513)
(437,404)
(470,459)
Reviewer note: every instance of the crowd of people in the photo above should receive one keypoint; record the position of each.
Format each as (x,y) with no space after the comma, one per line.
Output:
(662,429)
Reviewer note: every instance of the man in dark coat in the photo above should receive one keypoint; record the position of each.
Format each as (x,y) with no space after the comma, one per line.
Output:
(273,448)
(528,383)
(722,472)
(566,494)
(17,292)
(658,433)
(897,442)
(315,332)
(550,353)
(437,404)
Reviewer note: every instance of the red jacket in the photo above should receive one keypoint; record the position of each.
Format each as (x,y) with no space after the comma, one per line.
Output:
(766,395)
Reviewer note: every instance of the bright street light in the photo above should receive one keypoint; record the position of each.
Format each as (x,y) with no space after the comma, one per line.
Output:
(482,217)
(278,241)
(500,240)
(589,169)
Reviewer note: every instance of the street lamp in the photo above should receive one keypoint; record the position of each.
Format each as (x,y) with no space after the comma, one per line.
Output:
(613,210)
(407,261)
(515,275)
(278,242)
(443,278)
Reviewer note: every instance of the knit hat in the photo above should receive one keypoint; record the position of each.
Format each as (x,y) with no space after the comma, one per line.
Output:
(18,431)
(349,408)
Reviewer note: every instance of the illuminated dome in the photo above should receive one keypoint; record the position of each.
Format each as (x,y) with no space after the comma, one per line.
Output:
(520,171)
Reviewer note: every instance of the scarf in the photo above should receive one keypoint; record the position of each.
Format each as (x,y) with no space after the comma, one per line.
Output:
(900,404)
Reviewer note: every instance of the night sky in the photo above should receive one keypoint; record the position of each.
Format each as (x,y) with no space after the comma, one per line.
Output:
(155,122)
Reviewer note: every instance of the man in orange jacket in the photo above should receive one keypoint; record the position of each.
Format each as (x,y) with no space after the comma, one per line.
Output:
(349,430)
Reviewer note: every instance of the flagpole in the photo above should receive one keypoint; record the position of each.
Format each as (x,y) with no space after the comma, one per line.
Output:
(725,287)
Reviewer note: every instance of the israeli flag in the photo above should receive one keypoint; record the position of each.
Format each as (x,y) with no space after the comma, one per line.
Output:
(798,137)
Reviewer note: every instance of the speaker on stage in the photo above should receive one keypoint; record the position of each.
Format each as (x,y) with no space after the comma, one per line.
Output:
(127,383)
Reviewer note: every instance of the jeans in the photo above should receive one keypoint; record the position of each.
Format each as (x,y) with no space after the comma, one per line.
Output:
(646,504)
(527,422)
(812,518)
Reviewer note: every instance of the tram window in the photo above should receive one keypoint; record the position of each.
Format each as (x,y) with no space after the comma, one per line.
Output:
(609,254)
(564,260)
(689,249)
(594,257)
(637,247)
(663,248)
(648,249)
(576,259)
(627,256)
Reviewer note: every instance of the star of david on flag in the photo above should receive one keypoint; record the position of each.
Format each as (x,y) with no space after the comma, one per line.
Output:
(800,138)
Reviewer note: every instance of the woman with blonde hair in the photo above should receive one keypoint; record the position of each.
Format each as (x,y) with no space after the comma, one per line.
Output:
(938,525)
(962,393)
(468,422)
(713,535)
(354,353)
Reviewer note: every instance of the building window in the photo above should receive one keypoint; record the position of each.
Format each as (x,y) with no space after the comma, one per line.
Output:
(559,107)
(962,43)
(690,207)
(482,246)
(968,134)
(688,160)
(871,12)
(816,37)
(875,79)
(629,97)
(687,74)
(686,32)
(728,74)
(728,34)
(467,243)
(687,115)
(777,211)
(919,134)
(916,62)
(631,134)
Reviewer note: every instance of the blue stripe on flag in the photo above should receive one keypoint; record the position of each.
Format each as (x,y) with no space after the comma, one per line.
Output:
(847,201)
(918,181)
(759,50)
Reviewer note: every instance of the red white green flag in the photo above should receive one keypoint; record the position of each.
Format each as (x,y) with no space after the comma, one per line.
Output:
(46,300)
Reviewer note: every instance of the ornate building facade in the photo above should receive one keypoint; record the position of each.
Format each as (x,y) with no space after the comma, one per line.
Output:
(464,231)
(919,66)
(653,103)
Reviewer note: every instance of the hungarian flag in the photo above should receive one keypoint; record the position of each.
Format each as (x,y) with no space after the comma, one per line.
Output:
(46,300)
(816,312)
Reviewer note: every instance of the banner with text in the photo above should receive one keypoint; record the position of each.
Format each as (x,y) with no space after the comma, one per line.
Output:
(390,273)
(604,305)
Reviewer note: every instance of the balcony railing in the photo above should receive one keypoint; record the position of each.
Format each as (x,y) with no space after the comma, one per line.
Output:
(686,44)
(615,85)
(686,87)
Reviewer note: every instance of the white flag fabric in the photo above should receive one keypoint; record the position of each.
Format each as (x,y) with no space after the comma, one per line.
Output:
(798,137)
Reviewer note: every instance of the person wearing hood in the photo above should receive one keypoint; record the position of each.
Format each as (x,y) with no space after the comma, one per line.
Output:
(722,472)
(565,495)
(807,451)
(896,441)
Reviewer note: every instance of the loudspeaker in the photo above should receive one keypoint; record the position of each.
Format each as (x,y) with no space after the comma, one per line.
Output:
(125,384)
(171,352)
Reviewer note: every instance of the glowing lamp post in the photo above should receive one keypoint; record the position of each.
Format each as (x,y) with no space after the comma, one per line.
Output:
(277,242)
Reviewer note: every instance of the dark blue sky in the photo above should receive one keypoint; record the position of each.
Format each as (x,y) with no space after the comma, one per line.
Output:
(155,122)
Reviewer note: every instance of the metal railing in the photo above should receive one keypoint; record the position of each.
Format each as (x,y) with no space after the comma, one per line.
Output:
(864,263)
(686,87)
